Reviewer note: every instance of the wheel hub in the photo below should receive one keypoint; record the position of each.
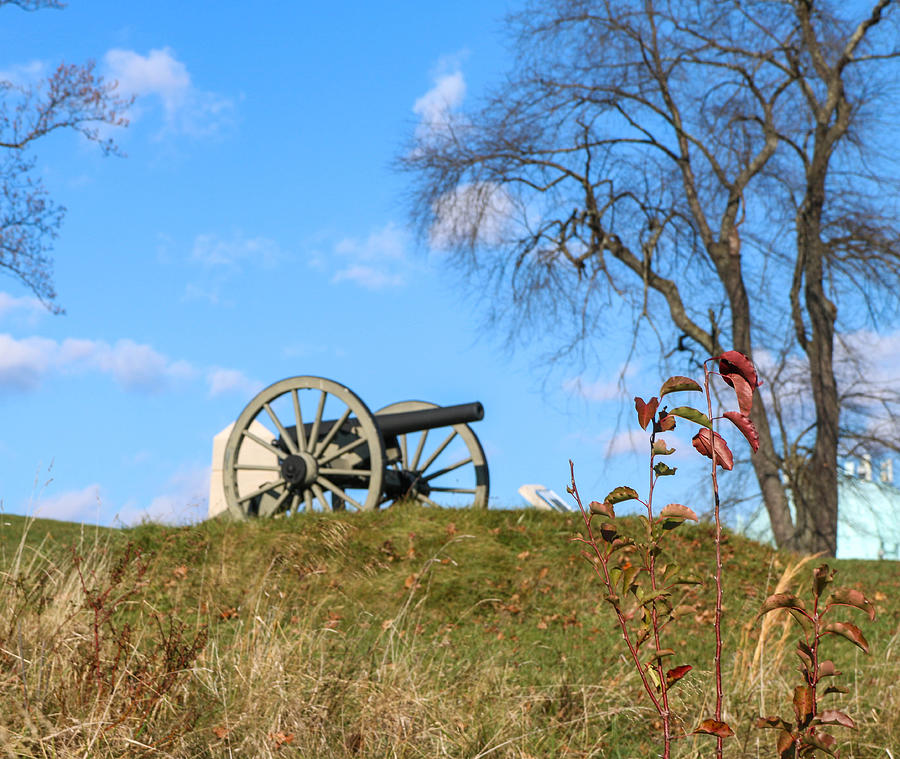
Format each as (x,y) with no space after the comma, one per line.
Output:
(299,469)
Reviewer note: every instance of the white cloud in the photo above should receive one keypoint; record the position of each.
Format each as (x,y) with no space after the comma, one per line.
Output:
(608,388)
(25,362)
(161,75)
(376,262)
(478,213)
(184,500)
(22,74)
(436,108)
(216,252)
(9,304)
(598,390)
(72,505)
(231,380)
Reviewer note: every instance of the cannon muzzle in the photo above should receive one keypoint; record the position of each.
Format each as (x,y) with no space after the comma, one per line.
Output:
(406,422)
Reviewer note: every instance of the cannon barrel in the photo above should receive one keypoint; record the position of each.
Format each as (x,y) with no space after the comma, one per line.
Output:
(427,419)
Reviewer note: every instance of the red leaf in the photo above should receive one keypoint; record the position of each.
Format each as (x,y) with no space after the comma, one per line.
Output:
(677,384)
(713,727)
(848,631)
(785,745)
(703,442)
(666,422)
(742,390)
(743,423)
(776,722)
(645,411)
(678,510)
(781,601)
(604,509)
(835,717)
(851,597)
(676,673)
(735,362)
(804,705)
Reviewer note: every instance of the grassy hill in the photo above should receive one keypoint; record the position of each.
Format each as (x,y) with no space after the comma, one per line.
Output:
(407,632)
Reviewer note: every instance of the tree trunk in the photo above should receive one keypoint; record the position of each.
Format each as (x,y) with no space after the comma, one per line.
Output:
(815,491)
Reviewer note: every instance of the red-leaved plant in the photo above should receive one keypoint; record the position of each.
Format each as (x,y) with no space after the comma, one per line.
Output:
(654,579)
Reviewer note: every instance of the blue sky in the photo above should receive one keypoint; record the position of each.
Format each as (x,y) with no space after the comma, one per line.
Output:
(256,231)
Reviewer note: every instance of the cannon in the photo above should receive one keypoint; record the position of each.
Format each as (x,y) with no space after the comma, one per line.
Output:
(311,444)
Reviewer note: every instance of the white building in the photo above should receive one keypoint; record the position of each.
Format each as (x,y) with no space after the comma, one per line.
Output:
(868,513)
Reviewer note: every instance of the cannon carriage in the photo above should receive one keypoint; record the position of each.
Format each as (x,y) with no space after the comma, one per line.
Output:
(311,444)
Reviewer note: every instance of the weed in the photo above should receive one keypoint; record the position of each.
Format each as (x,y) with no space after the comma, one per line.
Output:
(645,588)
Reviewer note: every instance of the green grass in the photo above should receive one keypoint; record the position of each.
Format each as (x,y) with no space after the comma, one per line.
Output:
(407,632)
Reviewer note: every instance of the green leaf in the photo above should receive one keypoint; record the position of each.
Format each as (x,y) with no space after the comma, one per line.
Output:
(628,576)
(848,631)
(603,509)
(678,384)
(621,493)
(851,597)
(660,448)
(662,470)
(692,415)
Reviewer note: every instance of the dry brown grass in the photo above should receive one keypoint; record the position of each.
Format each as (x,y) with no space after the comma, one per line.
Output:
(274,644)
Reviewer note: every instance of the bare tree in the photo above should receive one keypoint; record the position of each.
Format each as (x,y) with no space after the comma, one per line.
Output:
(709,159)
(73,97)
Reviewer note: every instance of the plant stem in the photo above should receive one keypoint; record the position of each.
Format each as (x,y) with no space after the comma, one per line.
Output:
(651,568)
(718,618)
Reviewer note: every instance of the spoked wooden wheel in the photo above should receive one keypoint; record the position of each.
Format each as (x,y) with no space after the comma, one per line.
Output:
(446,468)
(304,443)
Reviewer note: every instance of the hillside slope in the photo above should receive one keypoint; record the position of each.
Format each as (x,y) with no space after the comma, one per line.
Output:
(408,632)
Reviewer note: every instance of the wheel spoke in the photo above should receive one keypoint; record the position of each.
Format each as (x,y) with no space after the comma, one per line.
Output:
(264,489)
(450,468)
(415,462)
(321,496)
(314,433)
(335,427)
(268,446)
(437,452)
(301,433)
(425,499)
(347,472)
(288,440)
(341,451)
(404,456)
(257,467)
(308,498)
(340,493)
(295,504)
(277,505)
(470,491)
